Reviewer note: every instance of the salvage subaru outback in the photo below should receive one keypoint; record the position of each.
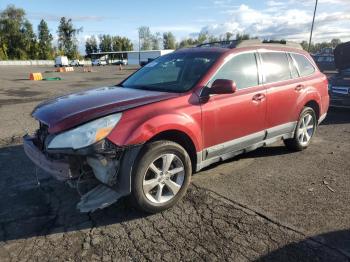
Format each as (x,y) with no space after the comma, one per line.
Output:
(176,115)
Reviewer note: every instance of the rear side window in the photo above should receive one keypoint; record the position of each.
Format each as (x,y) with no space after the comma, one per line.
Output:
(241,69)
(304,65)
(275,66)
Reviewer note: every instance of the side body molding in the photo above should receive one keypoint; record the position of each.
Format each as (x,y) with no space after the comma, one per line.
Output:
(244,144)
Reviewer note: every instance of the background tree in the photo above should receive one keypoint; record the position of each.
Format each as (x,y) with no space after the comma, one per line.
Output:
(145,36)
(157,41)
(317,47)
(228,36)
(29,41)
(169,41)
(3,50)
(105,43)
(67,38)
(121,44)
(335,42)
(12,29)
(91,45)
(44,41)
(188,42)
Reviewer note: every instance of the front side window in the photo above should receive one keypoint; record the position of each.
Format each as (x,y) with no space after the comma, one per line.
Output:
(242,69)
(176,72)
(275,66)
(304,65)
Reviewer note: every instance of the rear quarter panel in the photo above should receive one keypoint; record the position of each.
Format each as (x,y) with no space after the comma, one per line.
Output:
(316,90)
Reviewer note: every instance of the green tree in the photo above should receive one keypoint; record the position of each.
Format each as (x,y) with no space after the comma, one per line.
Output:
(12,30)
(67,38)
(228,36)
(156,41)
(189,42)
(304,44)
(335,42)
(202,37)
(146,38)
(105,43)
(169,41)
(44,41)
(3,50)
(29,41)
(241,37)
(91,45)
(121,44)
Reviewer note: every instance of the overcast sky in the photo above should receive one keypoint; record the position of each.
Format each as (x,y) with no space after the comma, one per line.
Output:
(273,19)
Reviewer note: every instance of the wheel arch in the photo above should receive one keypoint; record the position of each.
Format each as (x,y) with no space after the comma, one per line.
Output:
(315,106)
(182,139)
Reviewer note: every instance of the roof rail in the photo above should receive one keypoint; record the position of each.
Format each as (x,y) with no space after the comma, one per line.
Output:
(251,42)
(278,43)
(223,44)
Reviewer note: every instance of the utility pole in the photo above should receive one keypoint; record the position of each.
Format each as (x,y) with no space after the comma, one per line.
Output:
(312,26)
(139,48)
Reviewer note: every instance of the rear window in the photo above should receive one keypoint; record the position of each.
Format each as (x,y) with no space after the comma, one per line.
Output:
(304,65)
(275,66)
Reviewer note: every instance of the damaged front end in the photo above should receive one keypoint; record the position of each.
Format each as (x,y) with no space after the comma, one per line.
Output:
(101,172)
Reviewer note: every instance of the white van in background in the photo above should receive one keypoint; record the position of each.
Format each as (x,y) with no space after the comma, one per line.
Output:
(61,61)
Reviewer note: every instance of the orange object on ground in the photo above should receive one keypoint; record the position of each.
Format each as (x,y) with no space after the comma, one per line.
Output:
(35,76)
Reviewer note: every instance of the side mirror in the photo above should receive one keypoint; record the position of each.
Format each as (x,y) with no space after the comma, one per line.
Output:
(220,86)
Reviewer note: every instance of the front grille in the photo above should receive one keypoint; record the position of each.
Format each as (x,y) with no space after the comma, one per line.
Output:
(41,135)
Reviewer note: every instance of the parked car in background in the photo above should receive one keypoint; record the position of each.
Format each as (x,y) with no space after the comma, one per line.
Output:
(76,62)
(61,61)
(325,62)
(120,62)
(98,62)
(339,84)
(176,115)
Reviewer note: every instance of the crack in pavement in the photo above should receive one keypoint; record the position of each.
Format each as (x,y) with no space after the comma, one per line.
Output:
(273,221)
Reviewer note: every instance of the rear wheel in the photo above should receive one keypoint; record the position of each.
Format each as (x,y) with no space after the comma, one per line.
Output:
(161,177)
(304,131)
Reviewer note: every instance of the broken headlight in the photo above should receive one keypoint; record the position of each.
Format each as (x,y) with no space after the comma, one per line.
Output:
(86,134)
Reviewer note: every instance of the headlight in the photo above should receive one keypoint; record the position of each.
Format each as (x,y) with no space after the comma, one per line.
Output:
(86,134)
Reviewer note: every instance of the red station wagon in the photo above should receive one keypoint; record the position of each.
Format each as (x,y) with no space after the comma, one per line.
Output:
(176,115)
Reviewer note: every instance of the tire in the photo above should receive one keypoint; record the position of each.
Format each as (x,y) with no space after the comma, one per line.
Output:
(303,133)
(146,183)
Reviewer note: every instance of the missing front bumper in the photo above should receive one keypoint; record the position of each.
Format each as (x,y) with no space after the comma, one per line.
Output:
(58,169)
(114,176)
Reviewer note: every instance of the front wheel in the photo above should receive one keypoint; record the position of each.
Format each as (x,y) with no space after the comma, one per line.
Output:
(161,177)
(305,129)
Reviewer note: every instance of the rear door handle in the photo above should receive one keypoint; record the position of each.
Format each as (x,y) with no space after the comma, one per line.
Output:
(258,97)
(299,87)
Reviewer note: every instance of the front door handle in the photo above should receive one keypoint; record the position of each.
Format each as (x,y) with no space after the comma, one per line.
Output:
(258,97)
(299,87)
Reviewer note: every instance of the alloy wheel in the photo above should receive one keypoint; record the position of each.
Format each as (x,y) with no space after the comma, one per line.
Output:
(306,129)
(164,178)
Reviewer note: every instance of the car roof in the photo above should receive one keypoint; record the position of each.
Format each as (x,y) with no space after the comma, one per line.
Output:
(245,45)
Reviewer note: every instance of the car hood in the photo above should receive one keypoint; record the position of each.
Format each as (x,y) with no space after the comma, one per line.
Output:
(342,56)
(67,111)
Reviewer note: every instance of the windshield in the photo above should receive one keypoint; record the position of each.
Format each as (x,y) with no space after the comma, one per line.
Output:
(176,72)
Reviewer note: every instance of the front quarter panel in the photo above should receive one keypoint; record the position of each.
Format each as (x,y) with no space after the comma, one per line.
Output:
(139,125)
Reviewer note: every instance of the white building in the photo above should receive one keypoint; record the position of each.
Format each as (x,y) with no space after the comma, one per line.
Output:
(132,57)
